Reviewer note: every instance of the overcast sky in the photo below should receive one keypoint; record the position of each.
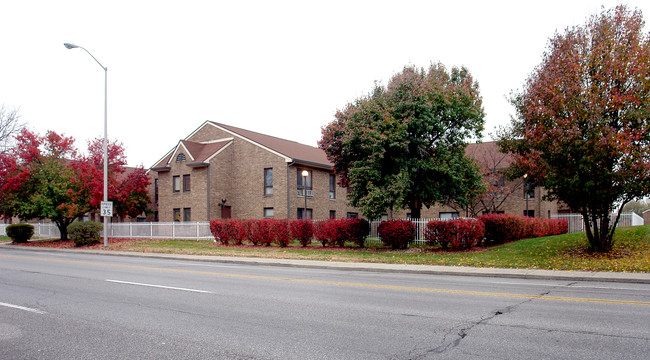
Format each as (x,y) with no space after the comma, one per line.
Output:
(277,67)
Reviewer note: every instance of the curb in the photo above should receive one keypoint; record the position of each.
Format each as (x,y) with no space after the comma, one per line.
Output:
(593,276)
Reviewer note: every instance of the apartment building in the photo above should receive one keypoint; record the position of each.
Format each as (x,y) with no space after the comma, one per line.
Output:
(221,171)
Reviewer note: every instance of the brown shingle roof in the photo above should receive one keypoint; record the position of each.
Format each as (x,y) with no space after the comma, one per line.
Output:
(298,152)
(202,151)
(199,152)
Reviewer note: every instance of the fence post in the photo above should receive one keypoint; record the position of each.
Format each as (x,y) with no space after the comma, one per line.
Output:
(173,230)
(151,230)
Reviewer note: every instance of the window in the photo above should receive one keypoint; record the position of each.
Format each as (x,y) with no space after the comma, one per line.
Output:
(307,186)
(332,214)
(155,190)
(176,183)
(352,215)
(529,190)
(177,215)
(332,186)
(268,182)
(449,215)
(529,213)
(187,214)
(300,213)
(186,183)
(180,157)
(268,213)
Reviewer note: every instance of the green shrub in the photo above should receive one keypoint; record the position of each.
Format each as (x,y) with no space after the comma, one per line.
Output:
(20,233)
(85,233)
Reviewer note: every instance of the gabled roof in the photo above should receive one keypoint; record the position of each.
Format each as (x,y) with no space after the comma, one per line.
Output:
(292,151)
(197,154)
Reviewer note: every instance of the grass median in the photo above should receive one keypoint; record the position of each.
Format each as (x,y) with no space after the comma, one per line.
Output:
(631,252)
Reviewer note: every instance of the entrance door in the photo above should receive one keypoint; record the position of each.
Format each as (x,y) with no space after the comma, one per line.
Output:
(225,212)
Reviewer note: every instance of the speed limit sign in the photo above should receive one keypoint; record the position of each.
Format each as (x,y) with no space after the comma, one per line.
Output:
(107,208)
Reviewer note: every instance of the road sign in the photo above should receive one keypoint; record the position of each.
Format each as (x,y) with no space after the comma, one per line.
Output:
(107,208)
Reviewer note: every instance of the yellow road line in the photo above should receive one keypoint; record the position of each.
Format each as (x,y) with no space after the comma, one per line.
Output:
(338,283)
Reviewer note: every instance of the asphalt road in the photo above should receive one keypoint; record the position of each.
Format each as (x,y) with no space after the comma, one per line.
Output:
(80,306)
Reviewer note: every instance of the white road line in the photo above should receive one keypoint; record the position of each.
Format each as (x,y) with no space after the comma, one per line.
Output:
(22,308)
(159,286)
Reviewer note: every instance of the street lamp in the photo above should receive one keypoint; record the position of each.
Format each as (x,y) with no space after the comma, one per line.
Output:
(305,173)
(73,46)
(526,193)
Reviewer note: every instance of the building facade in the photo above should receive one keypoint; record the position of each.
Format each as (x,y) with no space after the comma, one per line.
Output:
(221,171)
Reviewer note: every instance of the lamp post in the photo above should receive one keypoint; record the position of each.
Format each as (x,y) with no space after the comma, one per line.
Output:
(73,46)
(526,193)
(305,173)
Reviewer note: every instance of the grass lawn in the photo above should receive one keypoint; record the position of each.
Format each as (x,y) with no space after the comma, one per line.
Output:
(631,252)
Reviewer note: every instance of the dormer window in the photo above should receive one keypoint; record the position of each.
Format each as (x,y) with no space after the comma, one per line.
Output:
(180,157)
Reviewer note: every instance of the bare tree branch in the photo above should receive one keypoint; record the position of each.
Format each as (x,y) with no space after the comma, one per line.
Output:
(10,126)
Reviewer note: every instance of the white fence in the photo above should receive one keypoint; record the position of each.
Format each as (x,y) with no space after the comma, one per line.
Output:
(576,224)
(201,230)
(150,230)
(44,230)
(420,227)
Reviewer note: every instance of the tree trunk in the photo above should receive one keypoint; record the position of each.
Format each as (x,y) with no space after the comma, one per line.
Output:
(416,209)
(598,233)
(62,225)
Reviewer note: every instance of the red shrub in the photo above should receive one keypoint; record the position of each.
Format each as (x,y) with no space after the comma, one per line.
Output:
(357,230)
(302,230)
(259,231)
(330,232)
(398,234)
(219,231)
(505,227)
(457,233)
(236,230)
(279,231)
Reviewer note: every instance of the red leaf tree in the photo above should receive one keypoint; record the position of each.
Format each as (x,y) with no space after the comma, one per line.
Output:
(582,127)
(43,177)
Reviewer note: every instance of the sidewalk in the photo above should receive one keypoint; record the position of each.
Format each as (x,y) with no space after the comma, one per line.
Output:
(639,278)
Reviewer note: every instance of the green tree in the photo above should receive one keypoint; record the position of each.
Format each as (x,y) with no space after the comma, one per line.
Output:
(403,145)
(582,125)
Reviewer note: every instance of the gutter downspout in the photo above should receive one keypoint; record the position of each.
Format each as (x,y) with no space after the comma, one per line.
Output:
(289,188)
(208,192)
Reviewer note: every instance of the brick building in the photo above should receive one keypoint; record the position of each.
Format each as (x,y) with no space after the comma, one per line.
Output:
(517,197)
(221,171)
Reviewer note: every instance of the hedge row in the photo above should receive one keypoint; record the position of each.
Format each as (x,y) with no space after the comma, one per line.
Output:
(495,228)
(505,227)
(282,231)
(398,234)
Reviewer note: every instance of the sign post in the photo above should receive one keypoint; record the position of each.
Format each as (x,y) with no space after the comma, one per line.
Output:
(107,208)
(106,212)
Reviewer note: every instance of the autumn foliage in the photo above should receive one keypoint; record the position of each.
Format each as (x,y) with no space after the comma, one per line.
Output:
(44,177)
(505,227)
(455,234)
(582,125)
(397,234)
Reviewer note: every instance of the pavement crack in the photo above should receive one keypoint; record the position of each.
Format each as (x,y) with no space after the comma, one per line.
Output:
(459,335)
